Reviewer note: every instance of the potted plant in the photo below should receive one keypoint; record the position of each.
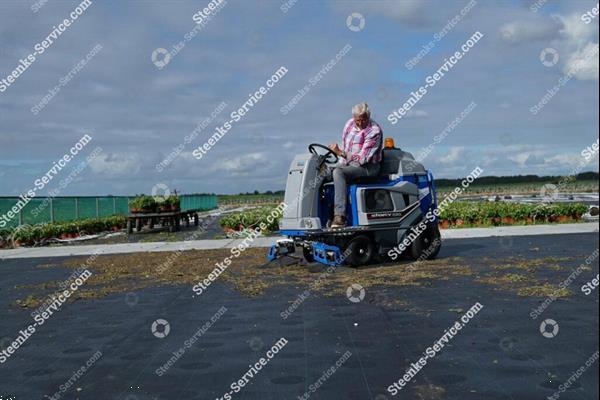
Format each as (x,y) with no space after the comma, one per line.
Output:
(480,214)
(170,203)
(575,211)
(164,206)
(507,212)
(62,232)
(50,231)
(173,202)
(4,237)
(563,213)
(115,223)
(449,214)
(25,235)
(142,204)
(553,211)
(18,236)
(72,230)
(444,224)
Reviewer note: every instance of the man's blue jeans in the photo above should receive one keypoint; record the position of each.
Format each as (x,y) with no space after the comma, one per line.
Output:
(342,176)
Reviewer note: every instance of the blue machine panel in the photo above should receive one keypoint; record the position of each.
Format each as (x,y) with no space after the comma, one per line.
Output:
(327,254)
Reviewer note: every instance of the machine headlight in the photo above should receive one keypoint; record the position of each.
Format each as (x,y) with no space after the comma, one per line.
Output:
(306,223)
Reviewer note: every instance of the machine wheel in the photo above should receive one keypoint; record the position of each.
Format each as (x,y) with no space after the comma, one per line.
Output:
(308,255)
(432,241)
(422,248)
(360,251)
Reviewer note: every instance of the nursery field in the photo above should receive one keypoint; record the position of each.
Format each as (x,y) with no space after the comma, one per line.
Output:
(457,214)
(234,199)
(460,214)
(585,186)
(532,188)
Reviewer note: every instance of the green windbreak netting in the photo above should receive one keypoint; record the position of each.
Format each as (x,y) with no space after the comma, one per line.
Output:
(87,207)
(105,207)
(64,209)
(198,202)
(41,209)
(121,205)
(35,212)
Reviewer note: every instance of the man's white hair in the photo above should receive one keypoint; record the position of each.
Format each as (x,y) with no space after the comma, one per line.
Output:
(361,108)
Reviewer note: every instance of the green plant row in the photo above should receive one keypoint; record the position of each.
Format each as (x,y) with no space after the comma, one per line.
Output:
(250,219)
(483,212)
(457,213)
(32,234)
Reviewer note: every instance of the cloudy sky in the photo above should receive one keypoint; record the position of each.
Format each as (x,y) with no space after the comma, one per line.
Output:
(137,113)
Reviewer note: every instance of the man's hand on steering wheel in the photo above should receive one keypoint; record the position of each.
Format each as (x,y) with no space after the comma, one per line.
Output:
(328,157)
(336,149)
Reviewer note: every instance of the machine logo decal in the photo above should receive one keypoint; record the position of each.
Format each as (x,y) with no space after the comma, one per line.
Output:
(394,214)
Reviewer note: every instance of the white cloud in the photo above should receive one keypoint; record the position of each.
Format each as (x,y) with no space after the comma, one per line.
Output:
(116,164)
(533,160)
(563,160)
(579,44)
(574,30)
(575,41)
(520,158)
(453,155)
(583,64)
(242,165)
(529,29)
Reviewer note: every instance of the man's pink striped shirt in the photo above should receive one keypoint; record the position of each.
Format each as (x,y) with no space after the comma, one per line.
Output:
(362,146)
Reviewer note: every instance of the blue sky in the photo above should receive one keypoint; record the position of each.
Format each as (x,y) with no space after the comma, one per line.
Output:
(137,112)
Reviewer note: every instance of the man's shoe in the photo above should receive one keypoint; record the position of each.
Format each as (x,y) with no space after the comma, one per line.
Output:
(339,221)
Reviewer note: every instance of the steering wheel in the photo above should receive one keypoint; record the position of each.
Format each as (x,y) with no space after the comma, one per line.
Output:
(329,157)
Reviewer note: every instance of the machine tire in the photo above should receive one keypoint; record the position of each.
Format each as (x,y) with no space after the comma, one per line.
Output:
(433,238)
(360,251)
(424,241)
(308,256)
(416,247)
